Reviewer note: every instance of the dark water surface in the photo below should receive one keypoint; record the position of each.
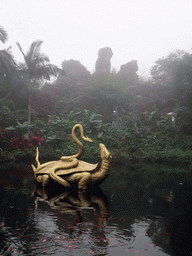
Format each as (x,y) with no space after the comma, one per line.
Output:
(133,213)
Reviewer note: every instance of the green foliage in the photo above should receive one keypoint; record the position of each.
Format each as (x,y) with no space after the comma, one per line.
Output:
(60,127)
(164,70)
(183,121)
(125,144)
(11,118)
(35,68)
(141,131)
(176,71)
(21,128)
(107,94)
(92,122)
(64,122)
(116,138)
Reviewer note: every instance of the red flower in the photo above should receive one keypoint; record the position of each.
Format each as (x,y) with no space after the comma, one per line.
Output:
(42,140)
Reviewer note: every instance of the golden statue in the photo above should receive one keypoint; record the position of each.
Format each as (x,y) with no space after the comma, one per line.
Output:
(75,203)
(69,170)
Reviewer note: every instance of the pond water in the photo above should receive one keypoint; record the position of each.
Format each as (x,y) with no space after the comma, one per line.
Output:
(133,213)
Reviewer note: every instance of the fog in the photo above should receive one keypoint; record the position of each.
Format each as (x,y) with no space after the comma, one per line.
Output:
(135,30)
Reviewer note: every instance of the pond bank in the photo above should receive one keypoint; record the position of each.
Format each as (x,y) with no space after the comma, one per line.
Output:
(122,157)
(119,173)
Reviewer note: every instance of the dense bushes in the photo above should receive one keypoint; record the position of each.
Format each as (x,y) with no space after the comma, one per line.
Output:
(127,145)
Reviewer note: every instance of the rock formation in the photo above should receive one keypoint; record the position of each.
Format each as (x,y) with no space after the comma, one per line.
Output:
(127,72)
(73,68)
(76,75)
(103,63)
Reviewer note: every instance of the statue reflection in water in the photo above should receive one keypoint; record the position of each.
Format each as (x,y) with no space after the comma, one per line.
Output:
(75,202)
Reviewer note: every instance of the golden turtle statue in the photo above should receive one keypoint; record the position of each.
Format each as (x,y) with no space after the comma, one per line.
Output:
(69,169)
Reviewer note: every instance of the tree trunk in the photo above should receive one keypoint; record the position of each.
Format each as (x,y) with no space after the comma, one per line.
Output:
(29,110)
(29,113)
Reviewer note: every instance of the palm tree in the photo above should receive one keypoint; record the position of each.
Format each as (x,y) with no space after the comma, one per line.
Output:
(35,69)
(7,62)
(7,66)
(3,35)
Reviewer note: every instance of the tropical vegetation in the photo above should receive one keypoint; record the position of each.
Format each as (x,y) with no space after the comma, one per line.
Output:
(148,121)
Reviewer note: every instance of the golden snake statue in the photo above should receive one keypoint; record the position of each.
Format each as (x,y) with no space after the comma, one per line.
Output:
(69,170)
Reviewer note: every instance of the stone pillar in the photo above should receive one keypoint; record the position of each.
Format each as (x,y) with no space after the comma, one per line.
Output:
(103,63)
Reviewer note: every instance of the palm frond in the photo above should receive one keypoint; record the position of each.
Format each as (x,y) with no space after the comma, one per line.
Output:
(7,61)
(7,66)
(3,35)
(37,63)
(41,59)
(45,72)
(21,50)
(34,49)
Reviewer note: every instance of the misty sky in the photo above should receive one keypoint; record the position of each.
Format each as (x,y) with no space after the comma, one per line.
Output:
(142,30)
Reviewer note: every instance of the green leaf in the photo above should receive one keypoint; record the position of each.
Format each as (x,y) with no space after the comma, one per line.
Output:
(138,97)
(100,135)
(11,128)
(23,125)
(26,135)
